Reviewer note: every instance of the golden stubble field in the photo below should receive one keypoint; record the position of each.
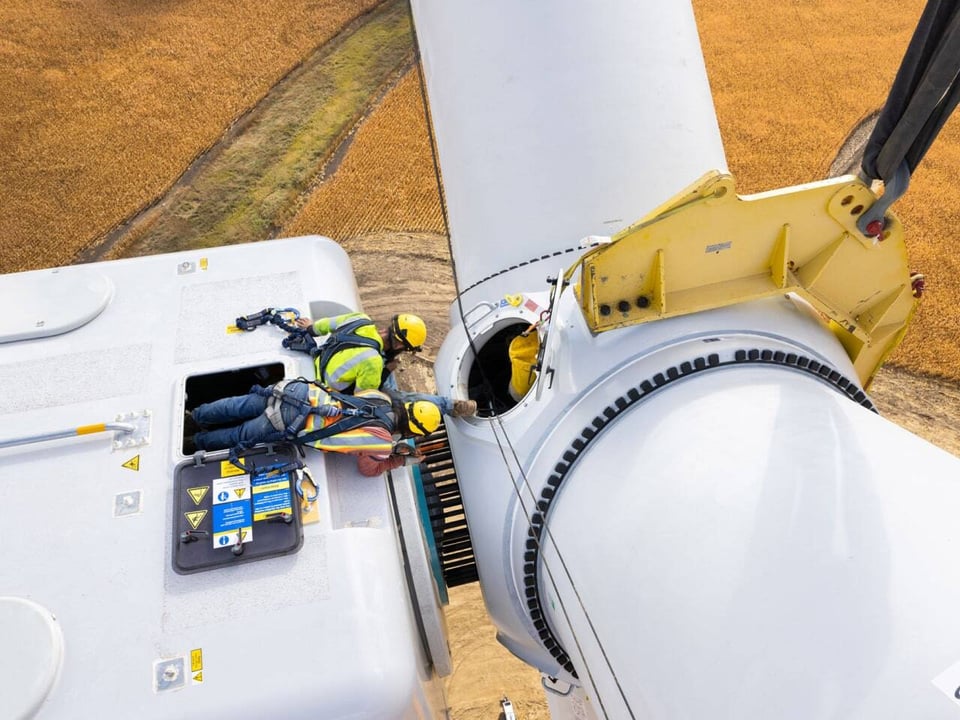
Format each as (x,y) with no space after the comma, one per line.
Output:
(386,181)
(108,101)
(113,100)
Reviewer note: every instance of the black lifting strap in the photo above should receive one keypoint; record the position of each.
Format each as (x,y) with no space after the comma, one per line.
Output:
(923,95)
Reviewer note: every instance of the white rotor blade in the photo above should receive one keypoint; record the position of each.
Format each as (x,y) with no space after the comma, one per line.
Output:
(558,120)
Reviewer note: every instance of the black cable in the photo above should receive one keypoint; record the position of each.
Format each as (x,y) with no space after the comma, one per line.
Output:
(922,97)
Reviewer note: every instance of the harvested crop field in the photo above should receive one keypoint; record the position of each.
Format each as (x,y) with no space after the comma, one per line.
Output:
(108,103)
(114,103)
(386,180)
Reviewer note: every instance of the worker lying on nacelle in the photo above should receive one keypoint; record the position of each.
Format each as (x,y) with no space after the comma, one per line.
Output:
(370,424)
(359,356)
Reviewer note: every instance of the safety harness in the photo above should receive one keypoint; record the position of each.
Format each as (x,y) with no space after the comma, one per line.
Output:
(354,412)
(297,338)
(345,337)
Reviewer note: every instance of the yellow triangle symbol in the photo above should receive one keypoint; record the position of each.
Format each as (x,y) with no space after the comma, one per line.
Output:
(195,518)
(197,493)
(198,677)
(133,463)
(240,492)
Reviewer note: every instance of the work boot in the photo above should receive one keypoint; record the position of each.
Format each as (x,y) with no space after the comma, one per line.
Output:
(190,426)
(464,408)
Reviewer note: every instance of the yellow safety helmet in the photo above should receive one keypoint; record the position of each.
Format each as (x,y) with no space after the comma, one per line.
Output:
(410,330)
(423,417)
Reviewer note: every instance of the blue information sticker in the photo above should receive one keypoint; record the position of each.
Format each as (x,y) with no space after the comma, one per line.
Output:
(228,516)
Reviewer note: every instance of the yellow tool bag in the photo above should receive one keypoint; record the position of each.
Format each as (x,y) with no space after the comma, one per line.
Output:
(523,357)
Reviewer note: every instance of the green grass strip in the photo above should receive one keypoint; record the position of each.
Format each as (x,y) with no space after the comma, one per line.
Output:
(252,185)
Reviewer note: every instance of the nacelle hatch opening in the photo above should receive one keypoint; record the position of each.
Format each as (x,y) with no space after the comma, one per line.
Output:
(489,373)
(206,388)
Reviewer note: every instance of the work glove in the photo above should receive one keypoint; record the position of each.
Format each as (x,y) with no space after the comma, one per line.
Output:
(415,459)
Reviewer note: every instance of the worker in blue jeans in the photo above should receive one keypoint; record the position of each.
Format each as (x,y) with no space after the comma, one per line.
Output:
(253,419)
(247,418)
(370,425)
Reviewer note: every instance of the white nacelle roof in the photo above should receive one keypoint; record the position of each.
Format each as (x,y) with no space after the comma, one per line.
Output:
(86,527)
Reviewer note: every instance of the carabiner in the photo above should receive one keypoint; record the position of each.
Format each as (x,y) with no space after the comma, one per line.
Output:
(305,472)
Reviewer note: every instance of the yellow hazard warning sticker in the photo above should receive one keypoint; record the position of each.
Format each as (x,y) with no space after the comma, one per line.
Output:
(198,678)
(198,493)
(228,469)
(196,660)
(133,463)
(203,263)
(195,517)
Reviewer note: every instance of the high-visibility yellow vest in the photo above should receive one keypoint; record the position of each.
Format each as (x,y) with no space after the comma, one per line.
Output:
(358,367)
(371,440)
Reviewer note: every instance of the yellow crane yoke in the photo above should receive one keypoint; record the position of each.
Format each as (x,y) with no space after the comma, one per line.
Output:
(708,247)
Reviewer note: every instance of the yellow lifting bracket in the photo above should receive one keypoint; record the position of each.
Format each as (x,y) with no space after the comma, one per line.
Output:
(708,248)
